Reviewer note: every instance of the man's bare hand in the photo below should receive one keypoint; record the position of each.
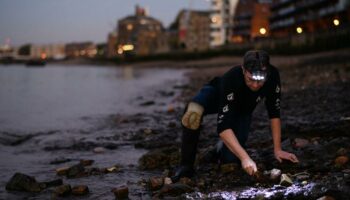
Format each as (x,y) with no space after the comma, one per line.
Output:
(249,166)
(283,155)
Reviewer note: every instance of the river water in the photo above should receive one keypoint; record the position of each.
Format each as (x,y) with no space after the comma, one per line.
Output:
(58,106)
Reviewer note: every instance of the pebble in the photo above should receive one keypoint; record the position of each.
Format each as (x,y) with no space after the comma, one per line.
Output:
(63,190)
(341,160)
(155,183)
(86,162)
(121,192)
(99,150)
(62,171)
(80,190)
(286,180)
(167,181)
(326,198)
(275,174)
(342,152)
(147,131)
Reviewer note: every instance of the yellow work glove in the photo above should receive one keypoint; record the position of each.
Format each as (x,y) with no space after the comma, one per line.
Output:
(192,116)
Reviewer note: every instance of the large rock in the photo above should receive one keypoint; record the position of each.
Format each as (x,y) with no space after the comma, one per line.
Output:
(23,182)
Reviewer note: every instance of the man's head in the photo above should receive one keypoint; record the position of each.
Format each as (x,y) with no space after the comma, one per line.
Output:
(256,65)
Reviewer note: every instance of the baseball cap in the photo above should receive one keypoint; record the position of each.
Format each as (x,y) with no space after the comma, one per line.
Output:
(257,62)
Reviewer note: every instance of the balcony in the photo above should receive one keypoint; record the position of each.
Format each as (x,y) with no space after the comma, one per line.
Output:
(281,4)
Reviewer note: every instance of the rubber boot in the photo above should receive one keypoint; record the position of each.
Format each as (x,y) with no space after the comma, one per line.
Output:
(188,154)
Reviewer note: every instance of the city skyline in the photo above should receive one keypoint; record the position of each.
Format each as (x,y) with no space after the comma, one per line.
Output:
(65,21)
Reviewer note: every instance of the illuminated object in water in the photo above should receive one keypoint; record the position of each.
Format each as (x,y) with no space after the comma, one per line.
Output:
(336,22)
(299,30)
(262,31)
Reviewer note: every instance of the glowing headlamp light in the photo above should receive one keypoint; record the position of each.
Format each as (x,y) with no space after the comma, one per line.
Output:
(258,76)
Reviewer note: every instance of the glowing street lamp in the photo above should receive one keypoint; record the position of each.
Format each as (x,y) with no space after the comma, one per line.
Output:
(299,30)
(262,31)
(336,22)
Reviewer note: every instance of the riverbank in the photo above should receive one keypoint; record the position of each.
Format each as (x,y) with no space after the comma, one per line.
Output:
(315,117)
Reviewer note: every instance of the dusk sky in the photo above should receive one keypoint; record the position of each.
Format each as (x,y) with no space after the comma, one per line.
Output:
(62,21)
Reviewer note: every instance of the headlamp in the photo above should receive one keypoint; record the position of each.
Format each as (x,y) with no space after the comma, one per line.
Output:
(259,76)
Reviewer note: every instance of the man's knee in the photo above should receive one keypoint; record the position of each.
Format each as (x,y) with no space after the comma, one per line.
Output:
(193,115)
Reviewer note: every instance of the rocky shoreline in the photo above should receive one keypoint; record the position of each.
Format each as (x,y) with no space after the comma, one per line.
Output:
(316,124)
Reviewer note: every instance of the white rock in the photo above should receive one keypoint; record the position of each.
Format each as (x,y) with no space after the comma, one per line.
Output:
(285,180)
(167,181)
(275,174)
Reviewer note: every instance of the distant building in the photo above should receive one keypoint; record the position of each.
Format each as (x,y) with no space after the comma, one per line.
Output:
(112,44)
(49,51)
(82,49)
(222,12)
(193,30)
(140,34)
(291,17)
(251,20)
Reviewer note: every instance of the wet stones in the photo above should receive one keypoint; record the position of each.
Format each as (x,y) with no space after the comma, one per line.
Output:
(286,180)
(99,150)
(121,192)
(175,189)
(155,183)
(53,183)
(62,171)
(86,162)
(341,161)
(63,190)
(159,158)
(76,171)
(80,190)
(67,189)
(23,182)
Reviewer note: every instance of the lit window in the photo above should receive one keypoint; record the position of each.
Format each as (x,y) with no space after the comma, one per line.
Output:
(129,27)
(299,30)
(336,22)
(262,31)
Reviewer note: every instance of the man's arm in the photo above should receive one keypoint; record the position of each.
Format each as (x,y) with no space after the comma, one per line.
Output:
(230,140)
(276,136)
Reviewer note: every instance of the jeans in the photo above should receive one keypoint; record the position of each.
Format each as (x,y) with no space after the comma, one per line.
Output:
(208,97)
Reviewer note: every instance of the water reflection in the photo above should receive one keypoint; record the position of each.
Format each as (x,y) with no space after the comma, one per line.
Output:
(128,72)
(56,97)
